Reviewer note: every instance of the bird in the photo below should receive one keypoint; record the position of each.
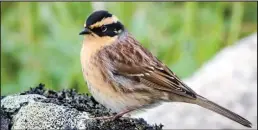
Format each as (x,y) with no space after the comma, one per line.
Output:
(124,76)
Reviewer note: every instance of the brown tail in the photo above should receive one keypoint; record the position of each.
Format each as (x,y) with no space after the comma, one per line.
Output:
(203,102)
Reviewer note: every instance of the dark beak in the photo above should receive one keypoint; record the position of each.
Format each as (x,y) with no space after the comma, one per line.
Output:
(85,31)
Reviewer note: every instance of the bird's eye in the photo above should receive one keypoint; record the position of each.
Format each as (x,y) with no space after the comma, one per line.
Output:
(103,28)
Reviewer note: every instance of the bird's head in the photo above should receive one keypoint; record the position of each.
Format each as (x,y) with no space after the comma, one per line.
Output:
(103,24)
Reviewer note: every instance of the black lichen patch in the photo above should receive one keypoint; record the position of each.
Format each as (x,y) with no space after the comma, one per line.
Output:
(122,124)
(5,120)
(86,103)
(37,90)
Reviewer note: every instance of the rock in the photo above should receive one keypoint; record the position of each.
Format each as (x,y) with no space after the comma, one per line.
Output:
(39,115)
(46,109)
(229,79)
(13,102)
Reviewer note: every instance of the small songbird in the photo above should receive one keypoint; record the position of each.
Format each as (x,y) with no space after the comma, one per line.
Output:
(124,76)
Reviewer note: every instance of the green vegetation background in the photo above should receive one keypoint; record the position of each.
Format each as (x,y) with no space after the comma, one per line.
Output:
(40,41)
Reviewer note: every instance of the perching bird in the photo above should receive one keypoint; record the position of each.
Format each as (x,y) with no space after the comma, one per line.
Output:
(124,76)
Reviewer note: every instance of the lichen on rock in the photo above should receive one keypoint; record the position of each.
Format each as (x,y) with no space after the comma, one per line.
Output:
(39,108)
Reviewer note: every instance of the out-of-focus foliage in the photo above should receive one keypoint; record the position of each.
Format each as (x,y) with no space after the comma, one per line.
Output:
(40,41)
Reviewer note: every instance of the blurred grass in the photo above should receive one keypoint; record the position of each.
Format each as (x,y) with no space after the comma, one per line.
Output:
(40,41)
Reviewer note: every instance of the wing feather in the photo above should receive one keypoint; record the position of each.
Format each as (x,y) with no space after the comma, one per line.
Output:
(129,59)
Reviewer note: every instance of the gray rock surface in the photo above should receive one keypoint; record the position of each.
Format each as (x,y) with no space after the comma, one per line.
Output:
(39,115)
(229,79)
(13,102)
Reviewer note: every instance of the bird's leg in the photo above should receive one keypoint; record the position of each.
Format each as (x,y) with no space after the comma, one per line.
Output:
(114,117)
(118,115)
